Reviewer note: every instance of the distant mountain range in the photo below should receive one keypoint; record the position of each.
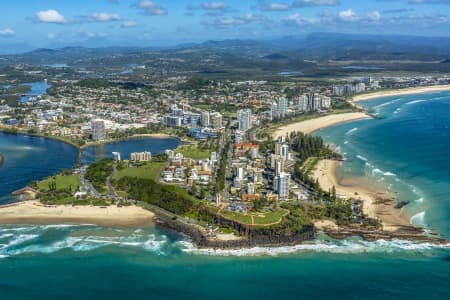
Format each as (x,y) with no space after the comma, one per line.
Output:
(320,48)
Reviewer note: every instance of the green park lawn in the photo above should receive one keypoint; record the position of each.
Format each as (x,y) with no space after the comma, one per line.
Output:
(259,218)
(150,170)
(192,151)
(63,182)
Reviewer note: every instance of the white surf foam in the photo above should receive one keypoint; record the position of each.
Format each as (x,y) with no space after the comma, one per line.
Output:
(361,158)
(21,240)
(351,131)
(340,247)
(415,101)
(389,174)
(418,219)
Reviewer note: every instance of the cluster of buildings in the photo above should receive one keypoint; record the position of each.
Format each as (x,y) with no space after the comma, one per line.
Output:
(248,172)
(279,109)
(135,156)
(278,161)
(313,102)
(200,126)
(179,117)
(187,170)
(304,103)
(357,86)
(252,174)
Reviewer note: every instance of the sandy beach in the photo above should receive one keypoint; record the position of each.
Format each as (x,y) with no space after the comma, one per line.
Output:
(374,206)
(33,212)
(312,125)
(401,92)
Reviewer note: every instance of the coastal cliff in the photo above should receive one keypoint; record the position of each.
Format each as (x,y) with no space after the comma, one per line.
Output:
(1,159)
(251,237)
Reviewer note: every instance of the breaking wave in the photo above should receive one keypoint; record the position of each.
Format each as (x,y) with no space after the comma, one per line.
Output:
(351,131)
(339,247)
(418,219)
(23,240)
(361,158)
(415,101)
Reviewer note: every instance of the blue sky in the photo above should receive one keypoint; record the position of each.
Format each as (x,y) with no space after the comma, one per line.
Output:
(40,23)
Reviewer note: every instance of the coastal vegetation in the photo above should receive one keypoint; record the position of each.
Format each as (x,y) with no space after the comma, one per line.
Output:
(307,146)
(171,198)
(98,172)
(59,189)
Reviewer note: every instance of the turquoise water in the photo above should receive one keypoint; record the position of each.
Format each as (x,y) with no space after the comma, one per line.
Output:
(90,262)
(406,152)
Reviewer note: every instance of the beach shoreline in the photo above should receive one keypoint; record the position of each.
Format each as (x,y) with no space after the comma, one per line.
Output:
(312,125)
(401,92)
(36,213)
(377,203)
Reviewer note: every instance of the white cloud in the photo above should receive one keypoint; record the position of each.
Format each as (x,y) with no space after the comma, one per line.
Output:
(51,36)
(151,8)
(277,6)
(298,20)
(306,3)
(274,6)
(50,16)
(7,32)
(91,35)
(348,15)
(214,6)
(128,24)
(235,21)
(374,16)
(105,17)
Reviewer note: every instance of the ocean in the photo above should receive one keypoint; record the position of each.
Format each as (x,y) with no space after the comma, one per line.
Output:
(406,151)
